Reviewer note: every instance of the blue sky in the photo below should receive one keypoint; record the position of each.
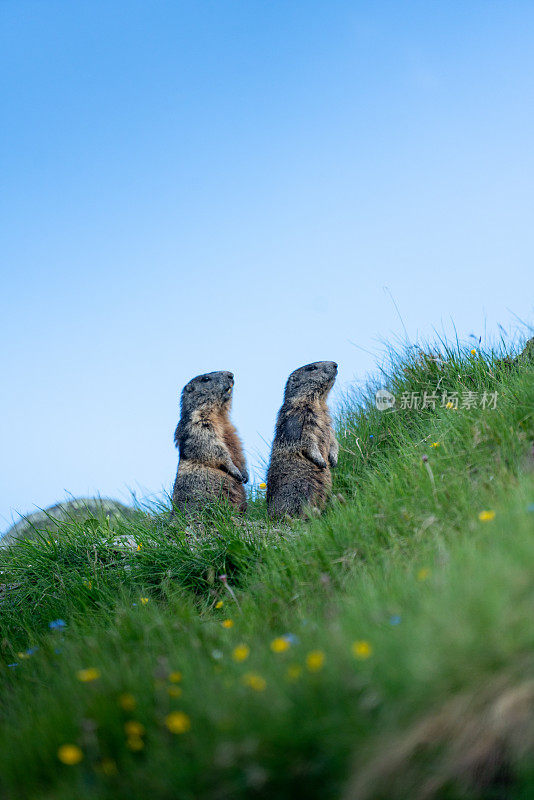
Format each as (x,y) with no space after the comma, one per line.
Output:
(226,185)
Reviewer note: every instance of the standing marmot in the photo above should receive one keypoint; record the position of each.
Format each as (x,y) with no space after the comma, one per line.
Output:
(304,444)
(212,464)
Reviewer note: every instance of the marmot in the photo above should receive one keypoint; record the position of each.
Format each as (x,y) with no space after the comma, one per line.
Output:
(305,446)
(212,464)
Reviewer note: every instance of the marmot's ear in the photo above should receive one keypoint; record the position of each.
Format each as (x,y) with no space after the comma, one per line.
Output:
(188,388)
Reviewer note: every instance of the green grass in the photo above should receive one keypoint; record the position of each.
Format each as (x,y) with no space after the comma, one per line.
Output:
(442,600)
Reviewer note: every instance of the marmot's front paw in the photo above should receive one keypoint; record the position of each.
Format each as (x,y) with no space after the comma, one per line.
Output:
(238,476)
(244,475)
(333,460)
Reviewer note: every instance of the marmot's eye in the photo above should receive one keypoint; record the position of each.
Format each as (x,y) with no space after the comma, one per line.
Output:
(311,367)
(205,379)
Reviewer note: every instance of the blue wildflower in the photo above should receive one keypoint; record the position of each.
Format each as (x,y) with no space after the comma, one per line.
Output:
(394,619)
(12,665)
(530,507)
(56,624)
(291,638)
(31,651)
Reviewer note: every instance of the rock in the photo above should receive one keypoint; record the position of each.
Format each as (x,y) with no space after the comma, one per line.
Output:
(78,510)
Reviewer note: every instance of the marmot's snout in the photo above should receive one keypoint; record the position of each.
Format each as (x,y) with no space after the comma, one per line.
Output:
(227,382)
(328,369)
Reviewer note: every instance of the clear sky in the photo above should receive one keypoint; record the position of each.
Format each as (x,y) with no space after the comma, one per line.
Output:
(220,184)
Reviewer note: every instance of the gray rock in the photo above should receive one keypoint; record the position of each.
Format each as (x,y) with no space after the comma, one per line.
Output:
(78,510)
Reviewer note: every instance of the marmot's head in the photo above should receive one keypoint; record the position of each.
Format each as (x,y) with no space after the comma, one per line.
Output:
(212,390)
(313,380)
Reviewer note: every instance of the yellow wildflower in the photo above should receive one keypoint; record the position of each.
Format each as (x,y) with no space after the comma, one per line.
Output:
(262,486)
(134,728)
(294,671)
(139,546)
(87,675)
(315,660)
(435,444)
(279,645)
(22,656)
(127,702)
(174,691)
(144,600)
(473,352)
(362,650)
(135,743)
(227,623)
(69,754)
(450,404)
(219,604)
(254,681)
(241,652)
(423,574)
(87,584)
(177,722)
(108,766)
(175,677)
(486,516)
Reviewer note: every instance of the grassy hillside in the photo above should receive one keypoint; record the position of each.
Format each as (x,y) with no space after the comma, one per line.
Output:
(384,650)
